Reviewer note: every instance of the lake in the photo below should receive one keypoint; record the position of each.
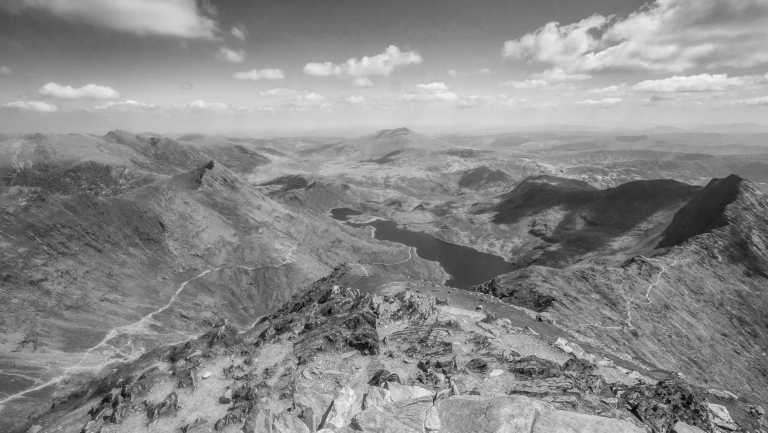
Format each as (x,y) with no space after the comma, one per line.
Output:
(466,266)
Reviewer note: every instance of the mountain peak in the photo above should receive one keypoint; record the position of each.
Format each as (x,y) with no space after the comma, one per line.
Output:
(704,212)
(392,133)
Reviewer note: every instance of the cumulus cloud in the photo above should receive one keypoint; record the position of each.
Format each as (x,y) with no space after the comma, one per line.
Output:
(558,75)
(261,74)
(355,99)
(279,91)
(667,35)
(431,92)
(759,100)
(89,91)
(525,84)
(175,18)
(362,82)
(125,105)
(382,64)
(690,83)
(613,88)
(434,86)
(39,106)
(232,56)
(239,32)
(604,102)
(5,70)
(200,104)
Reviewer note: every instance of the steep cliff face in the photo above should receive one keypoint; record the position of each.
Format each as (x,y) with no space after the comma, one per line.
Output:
(335,359)
(697,307)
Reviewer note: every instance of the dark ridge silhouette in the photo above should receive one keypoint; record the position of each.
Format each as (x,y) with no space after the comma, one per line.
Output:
(539,193)
(389,133)
(482,176)
(386,159)
(703,213)
(288,182)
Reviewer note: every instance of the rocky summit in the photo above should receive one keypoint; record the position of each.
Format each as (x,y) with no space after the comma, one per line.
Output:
(338,359)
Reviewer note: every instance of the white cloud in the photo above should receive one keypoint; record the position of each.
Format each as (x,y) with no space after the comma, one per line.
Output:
(558,75)
(355,99)
(5,70)
(382,64)
(39,106)
(667,35)
(362,82)
(434,86)
(613,88)
(125,105)
(176,18)
(429,92)
(200,104)
(313,97)
(232,56)
(261,74)
(759,100)
(239,32)
(279,91)
(604,102)
(690,83)
(89,91)
(526,84)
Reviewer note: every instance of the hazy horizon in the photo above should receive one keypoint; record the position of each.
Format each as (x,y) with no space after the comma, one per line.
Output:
(177,66)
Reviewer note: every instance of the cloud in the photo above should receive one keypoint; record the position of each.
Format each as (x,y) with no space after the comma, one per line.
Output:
(279,91)
(39,106)
(756,101)
(557,75)
(613,88)
(434,86)
(382,64)
(667,35)
(175,18)
(452,73)
(89,91)
(604,102)
(125,105)
(690,83)
(525,84)
(261,74)
(5,70)
(431,92)
(239,32)
(200,104)
(362,82)
(312,97)
(355,99)
(232,56)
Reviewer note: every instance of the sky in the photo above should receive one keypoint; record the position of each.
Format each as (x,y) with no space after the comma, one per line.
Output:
(294,66)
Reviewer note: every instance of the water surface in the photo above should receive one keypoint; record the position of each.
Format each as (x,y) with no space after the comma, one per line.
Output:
(466,266)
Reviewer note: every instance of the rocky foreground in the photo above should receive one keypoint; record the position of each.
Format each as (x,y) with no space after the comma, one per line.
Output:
(335,359)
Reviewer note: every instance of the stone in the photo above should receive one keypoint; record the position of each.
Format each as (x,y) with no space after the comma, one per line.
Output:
(285,422)
(399,392)
(681,427)
(342,408)
(721,417)
(520,414)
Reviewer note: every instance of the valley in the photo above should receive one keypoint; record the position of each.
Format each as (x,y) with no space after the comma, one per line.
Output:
(617,248)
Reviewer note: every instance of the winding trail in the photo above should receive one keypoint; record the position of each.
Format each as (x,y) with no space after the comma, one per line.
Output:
(132,328)
(135,328)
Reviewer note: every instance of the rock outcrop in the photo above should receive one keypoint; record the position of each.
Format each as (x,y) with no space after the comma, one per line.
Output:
(335,359)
